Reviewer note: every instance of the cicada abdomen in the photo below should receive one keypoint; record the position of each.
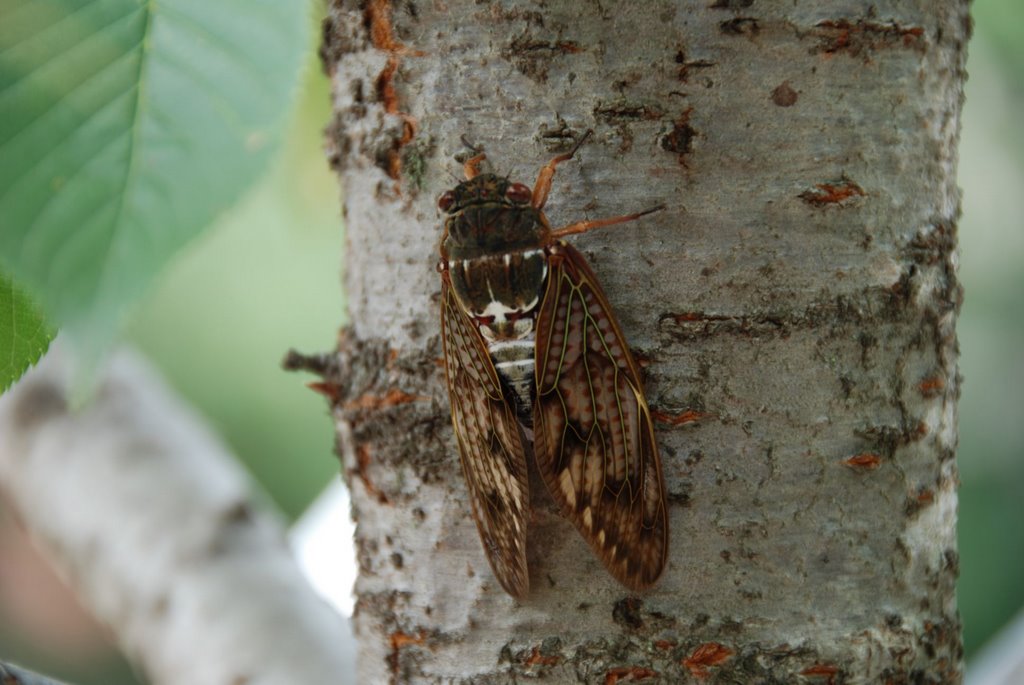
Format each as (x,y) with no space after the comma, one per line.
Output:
(530,341)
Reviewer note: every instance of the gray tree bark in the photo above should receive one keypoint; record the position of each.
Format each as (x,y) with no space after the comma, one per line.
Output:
(794,307)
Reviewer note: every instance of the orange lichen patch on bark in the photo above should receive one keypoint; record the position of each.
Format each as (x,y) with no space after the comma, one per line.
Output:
(393,398)
(854,38)
(329,390)
(628,673)
(930,387)
(378,21)
(865,460)
(925,496)
(538,659)
(832,193)
(705,656)
(827,672)
(682,418)
(362,466)
(664,644)
(399,639)
(389,97)
(386,86)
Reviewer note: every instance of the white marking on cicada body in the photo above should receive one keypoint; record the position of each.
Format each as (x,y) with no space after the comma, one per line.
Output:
(515,362)
(496,309)
(499,345)
(522,328)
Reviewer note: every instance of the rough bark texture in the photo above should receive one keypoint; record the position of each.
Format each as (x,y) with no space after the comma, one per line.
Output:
(794,305)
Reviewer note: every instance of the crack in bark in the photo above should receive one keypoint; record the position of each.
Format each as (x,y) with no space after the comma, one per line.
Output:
(864,37)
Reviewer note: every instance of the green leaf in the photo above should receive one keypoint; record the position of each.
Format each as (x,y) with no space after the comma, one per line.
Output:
(126,126)
(24,335)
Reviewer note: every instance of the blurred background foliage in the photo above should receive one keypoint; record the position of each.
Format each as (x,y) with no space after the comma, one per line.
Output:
(266,278)
(126,128)
(217,321)
(991,327)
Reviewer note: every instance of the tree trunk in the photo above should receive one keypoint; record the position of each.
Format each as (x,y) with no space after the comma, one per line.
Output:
(794,308)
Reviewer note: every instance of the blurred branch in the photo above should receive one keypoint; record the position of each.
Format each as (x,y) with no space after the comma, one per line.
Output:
(12,675)
(159,532)
(1001,661)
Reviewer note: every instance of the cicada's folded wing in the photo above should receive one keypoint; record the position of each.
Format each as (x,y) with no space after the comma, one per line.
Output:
(490,445)
(593,435)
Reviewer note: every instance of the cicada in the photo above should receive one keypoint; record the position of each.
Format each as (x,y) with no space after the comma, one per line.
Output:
(533,352)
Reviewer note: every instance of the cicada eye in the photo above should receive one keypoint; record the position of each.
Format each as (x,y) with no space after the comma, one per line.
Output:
(445,202)
(518,193)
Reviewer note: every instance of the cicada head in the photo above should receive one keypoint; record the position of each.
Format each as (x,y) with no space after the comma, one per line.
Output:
(489,215)
(484,189)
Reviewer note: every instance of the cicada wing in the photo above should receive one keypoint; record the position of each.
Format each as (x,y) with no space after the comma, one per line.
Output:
(593,435)
(490,445)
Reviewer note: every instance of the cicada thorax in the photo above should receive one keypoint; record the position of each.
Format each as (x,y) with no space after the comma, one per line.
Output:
(497,263)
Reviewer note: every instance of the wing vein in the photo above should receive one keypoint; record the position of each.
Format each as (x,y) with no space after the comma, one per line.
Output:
(598,460)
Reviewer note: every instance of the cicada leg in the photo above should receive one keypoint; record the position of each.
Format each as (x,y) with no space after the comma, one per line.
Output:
(543,185)
(471,167)
(590,224)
